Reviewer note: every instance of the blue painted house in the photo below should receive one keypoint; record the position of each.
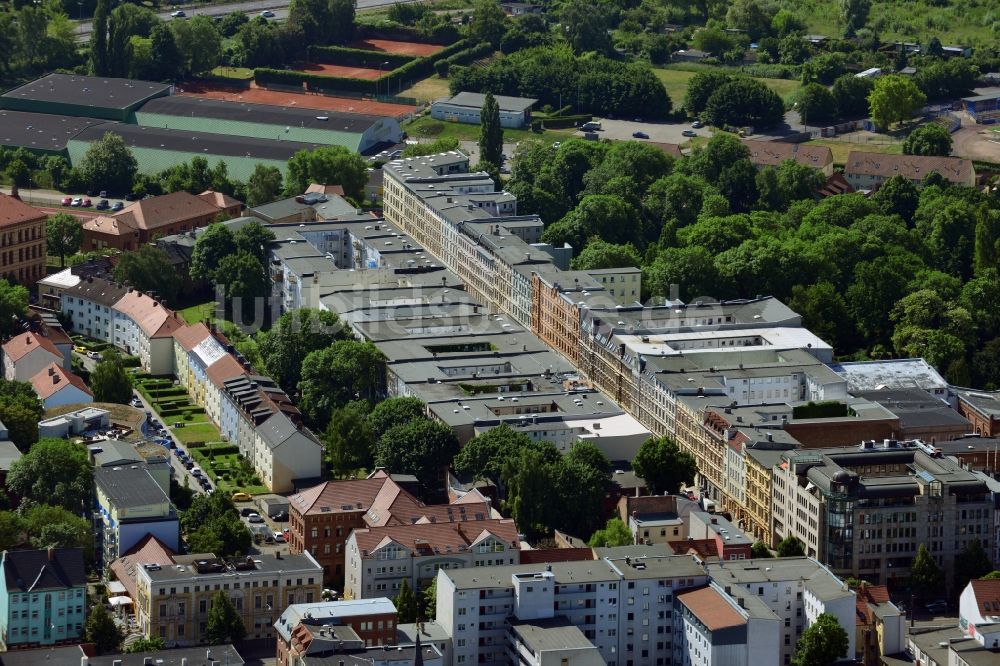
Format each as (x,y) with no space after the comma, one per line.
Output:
(43,597)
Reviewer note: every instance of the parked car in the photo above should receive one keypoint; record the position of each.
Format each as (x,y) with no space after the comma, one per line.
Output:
(197,473)
(136,403)
(79,350)
(103,194)
(279,537)
(938,606)
(188,464)
(178,14)
(118,205)
(246,511)
(254,518)
(77,201)
(689,133)
(94,355)
(86,203)
(697,124)
(280,517)
(640,135)
(267,13)
(556,144)
(67,201)
(103,204)
(241,497)
(268,538)
(131,196)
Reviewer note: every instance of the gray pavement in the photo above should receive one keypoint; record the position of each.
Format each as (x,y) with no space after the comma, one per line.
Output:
(622,130)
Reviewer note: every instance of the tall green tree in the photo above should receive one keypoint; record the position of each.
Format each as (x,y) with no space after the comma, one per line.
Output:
(851,94)
(110,382)
(99,40)
(313,18)
(149,270)
(213,245)
(212,525)
(759,551)
(894,99)
(662,464)
(198,43)
(422,448)
(332,377)
(488,23)
(484,455)
(20,408)
(855,15)
(490,132)
(585,26)
(56,471)
(971,564)
(791,546)
(348,438)
(264,185)
(926,576)
(109,164)
(393,412)
(246,282)
(126,20)
(224,625)
(102,630)
(406,603)
(823,643)
(342,21)
(930,139)
(600,254)
(289,340)
(13,306)
(169,61)
(254,239)
(815,103)
(329,165)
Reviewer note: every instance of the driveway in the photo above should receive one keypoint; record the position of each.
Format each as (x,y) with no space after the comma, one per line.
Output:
(471,148)
(621,130)
(179,471)
(976,142)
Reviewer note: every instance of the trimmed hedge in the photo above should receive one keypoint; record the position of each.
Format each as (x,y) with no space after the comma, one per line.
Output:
(341,55)
(411,71)
(403,33)
(463,57)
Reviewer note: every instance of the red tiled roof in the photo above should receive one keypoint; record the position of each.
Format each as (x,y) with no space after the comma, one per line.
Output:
(835,184)
(913,167)
(220,200)
(773,153)
(149,550)
(20,346)
(112,226)
(151,214)
(316,188)
(986,591)
(189,336)
(15,211)
(337,496)
(155,320)
(709,606)
(868,594)
(671,149)
(703,548)
(430,538)
(225,368)
(53,379)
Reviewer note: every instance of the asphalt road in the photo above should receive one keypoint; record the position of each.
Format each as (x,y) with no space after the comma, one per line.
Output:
(279,7)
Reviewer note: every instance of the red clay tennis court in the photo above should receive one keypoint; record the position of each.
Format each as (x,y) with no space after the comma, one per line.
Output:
(399,48)
(316,101)
(340,70)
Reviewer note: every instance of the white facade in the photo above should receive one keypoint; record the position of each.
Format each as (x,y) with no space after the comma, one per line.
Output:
(155,353)
(87,317)
(283,453)
(30,364)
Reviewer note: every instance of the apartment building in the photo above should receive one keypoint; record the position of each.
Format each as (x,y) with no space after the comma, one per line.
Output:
(173,601)
(881,626)
(144,328)
(27,354)
(379,559)
(43,597)
(302,628)
(131,504)
(22,241)
(144,220)
(867,171)
(796,589)
(775,153)
(88,306)
(718,630)
(863,510)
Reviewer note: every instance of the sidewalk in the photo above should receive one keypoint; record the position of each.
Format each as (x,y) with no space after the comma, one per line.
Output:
(33,196)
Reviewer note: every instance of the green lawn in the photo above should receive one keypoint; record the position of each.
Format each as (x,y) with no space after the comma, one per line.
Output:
(427,90)
(233,72)
(199,312)
(426,127)
(675,79)
(193,431)
(841,149)
(225,469)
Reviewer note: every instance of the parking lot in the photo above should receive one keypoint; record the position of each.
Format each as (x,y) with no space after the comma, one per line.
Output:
(622,130)
(267,528)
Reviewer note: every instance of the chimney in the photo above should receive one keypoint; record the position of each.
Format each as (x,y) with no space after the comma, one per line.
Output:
(28,339)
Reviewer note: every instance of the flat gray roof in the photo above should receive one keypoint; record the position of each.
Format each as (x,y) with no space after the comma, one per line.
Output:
(476,100)
(129,485)
(554,633)
(818,578)
(40,131)
(95,91)
(185,105)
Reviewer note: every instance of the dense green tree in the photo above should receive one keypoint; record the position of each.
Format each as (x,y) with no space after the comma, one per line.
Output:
(971,564)
(490,132)
(785,23)
(313,18)
(484,455)
(213,245)
(198,42)
(824,68)
(614,533)
(126,20)
(442,145)
(108,164)
(63,235)
(212,523)
(329,165)
(109,381)
(600,254)
(894,99)
(348,438)
(332,377)
(898,196)
(692,269)
(225,623)
(816,103)
(791,546)
(760,551)
(929,139)
(701,86)
(245,283)
(604,216)
(824,312)
(154,644)
(232,22)
(406,603)
(429,601)
(530,485)
(102,631)
(714,41)
(264,185)
(744,102)
(488,24)
(662,464)
(341,29)
(53,470)
(99,40)
(255,239)
(855,15)
(289,340)
(823,643)
(422,448)
(946,79)
(876,287)
(169,61)
(926,577)
(149,270)
(752,17)
(46,526)
(585,26)
(20,408)
(851,94)
(258,44)
(793,50)
(392,412)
